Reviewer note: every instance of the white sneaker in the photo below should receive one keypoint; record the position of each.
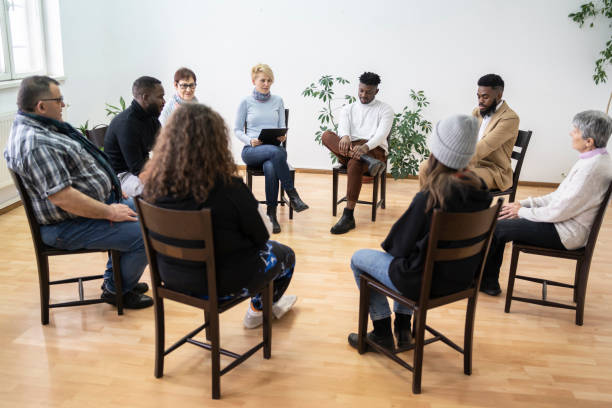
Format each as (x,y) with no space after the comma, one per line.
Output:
(283,305)
(253,318)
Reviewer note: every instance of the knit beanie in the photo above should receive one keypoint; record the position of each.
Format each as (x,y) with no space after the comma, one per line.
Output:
(454,140)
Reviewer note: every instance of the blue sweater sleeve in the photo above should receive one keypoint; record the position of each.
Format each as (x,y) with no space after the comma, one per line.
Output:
(240,122)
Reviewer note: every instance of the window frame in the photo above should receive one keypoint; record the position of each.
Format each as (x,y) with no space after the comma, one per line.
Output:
(10,73)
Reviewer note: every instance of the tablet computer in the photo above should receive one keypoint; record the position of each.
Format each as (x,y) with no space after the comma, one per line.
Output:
(269,136)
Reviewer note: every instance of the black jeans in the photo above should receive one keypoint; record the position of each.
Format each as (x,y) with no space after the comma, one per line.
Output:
(542,234)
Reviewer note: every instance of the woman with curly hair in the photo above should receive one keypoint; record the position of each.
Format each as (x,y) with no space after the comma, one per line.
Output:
(192,168)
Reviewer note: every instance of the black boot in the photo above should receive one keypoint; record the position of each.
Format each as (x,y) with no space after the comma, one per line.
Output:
(295,201)
(375,166)
(402,330)
(345,223)
(381,334)
(271,211)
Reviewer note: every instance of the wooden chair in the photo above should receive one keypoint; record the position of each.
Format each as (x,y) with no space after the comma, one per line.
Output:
(258,171)
(96,135)
(381,181)
(43,252)
(522,141)
(582,256)
(193,226)
(474,231)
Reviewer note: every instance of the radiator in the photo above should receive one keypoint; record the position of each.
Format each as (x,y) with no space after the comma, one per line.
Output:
(6,120)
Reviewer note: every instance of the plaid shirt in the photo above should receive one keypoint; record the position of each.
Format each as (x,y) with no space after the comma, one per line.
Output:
(48,161)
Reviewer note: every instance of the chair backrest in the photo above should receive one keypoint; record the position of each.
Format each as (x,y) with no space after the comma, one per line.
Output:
(29,210)
(522,141)
(463,235)
(178,225)
(590,246)
(96,135)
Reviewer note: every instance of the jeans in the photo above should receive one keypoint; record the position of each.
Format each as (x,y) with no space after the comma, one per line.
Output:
(273,160)
(542,234)
(376,264)
(88,233)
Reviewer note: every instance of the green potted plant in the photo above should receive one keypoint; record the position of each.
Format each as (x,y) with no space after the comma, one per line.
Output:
(408,142)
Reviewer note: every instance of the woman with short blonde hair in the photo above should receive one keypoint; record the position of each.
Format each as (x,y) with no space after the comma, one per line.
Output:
(258,111)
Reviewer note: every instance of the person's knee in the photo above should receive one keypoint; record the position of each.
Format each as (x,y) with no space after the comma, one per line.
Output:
(328,137)
(268,168)
(279,154)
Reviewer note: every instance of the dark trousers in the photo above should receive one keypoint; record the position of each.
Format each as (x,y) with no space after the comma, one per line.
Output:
(279,262)
(542,234)
(355,169)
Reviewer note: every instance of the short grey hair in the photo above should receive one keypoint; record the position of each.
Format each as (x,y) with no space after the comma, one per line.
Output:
(594,124)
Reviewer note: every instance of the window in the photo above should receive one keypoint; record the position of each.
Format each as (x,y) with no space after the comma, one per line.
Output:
(23,50)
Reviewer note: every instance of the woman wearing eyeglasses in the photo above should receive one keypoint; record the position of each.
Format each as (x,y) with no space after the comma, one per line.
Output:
(262,110)
(185,84)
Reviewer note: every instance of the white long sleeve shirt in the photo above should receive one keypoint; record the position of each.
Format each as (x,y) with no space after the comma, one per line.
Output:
(572,207)
(371,122)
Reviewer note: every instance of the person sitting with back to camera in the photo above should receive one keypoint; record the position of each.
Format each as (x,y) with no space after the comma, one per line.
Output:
(192,168)
(449,186)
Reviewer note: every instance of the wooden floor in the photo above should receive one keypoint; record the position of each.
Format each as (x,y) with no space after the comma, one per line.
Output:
(89,356)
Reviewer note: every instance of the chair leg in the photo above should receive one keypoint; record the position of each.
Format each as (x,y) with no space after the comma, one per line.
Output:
(582,286)
(383,190)
(419,337)
(364,303)
(374,198)
(159,336)
(43,282)
(290,208)
(116,260)
(249,180)
(511,277)
(576,281)
(215,355)
(267,319)
(468,336)
(334,192)
(207,320)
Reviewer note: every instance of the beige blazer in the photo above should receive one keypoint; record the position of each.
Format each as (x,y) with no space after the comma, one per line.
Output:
(491,160)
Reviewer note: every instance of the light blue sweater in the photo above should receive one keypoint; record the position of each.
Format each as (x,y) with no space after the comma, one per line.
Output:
(258,115)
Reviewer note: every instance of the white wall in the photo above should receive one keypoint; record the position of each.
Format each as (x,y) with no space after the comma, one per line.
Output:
(442,47)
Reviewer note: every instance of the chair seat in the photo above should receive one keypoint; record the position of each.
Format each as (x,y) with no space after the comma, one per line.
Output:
(341,169)
(258,170)
(559,253)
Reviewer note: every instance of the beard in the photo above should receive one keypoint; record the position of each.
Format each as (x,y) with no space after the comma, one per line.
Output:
(153,110)
(490,110)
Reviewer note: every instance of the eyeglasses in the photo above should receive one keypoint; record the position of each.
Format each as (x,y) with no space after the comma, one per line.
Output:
(60,99)
(187,86)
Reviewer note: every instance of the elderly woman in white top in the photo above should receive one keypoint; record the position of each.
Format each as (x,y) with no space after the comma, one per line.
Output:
(185,84)
(563,218)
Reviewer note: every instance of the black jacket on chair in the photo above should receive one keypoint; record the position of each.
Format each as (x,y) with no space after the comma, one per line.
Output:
(408,239)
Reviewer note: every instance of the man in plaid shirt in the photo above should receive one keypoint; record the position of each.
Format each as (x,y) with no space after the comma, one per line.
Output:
(75,194)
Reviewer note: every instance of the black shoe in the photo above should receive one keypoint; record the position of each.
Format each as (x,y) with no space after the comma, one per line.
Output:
(490,288)
(375,166)
(271,211)
(344,224)
(385,342)
(403,335)
(131,300)
(295,201)
(141,287)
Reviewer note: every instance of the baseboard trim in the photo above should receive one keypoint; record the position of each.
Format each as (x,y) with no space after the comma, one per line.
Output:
(328,171)
(10,207)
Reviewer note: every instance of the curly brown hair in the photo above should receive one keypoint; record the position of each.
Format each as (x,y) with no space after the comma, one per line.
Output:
(190,156)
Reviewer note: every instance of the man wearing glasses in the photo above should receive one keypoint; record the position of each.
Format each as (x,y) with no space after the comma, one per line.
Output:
(75,193)
(131,134)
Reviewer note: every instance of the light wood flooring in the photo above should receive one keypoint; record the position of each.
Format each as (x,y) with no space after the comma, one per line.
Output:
(90,357)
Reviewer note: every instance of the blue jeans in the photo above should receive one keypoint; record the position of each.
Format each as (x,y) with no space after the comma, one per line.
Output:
(376,264)
(88,233)
(273,159)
